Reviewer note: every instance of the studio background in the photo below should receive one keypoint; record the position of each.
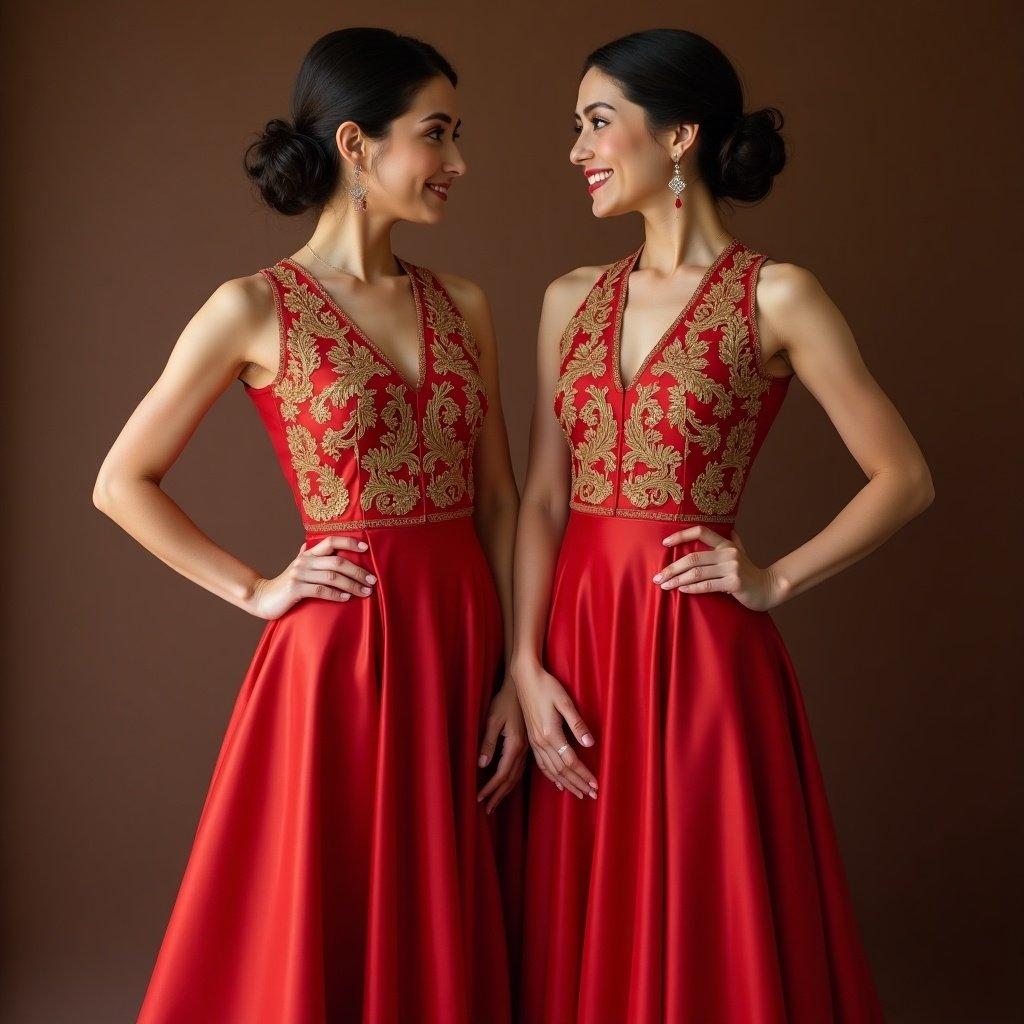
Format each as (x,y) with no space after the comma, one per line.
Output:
(124,207)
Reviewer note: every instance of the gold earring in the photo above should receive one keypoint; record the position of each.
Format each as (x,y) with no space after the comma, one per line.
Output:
(677,184)
(357,190)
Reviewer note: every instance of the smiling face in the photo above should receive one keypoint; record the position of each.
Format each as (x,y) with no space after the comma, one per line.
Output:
(407,174)
(627,166)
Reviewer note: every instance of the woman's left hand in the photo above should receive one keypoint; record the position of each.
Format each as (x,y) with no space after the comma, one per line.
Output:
(725,567)
(505,719)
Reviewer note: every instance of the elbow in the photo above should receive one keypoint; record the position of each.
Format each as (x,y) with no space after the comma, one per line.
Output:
(921,489)
(101,495)
(106,493)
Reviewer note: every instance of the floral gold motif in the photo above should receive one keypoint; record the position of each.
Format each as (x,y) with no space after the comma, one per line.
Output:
(644,444)
(591,484)
(331,498)
(390,494)
(440,445)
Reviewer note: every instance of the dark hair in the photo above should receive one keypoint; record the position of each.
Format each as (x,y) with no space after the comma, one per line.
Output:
(679,77)
(366,75)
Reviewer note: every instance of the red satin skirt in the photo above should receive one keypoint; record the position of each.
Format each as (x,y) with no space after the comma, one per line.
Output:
(342,871)
(704,885)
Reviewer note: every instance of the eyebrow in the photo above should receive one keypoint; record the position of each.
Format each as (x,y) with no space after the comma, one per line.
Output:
(599,103)
(440,116)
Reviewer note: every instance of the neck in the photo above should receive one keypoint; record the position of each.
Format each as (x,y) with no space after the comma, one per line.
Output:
(694,234)
(356,241)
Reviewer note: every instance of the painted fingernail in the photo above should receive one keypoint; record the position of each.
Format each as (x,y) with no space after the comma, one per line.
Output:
(588,740)
(593,795)
(657,579)
(560,787)
(370,578)
(593,784)
(483,760)
(365,590)
(362,545)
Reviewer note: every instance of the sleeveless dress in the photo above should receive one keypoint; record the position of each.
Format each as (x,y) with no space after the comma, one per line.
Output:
(704,885)
(342,869)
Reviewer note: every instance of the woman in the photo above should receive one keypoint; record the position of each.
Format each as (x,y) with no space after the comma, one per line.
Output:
(344,864)
(682,868)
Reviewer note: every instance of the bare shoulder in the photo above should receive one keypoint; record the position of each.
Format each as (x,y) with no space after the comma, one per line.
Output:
(242,300)
(565,294)
(468,295)
(785,287)
(236,325)
(572,288)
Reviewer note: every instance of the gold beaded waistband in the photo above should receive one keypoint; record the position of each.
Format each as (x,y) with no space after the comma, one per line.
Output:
(369,524)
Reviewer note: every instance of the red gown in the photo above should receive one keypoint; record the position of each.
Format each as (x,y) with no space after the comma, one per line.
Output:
(704,885)
(342,870)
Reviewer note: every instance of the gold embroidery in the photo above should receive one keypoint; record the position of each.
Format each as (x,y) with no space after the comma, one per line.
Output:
(397,448)
(362,416)
(442,316)
(646,445)
(441,445)
(588,356)
(332,499)
(638,513)
(592,317)
(450,358)
(685,361)
(355,362)
(708,491)
(598,446)
(366,524)
(354,365)
(744,379)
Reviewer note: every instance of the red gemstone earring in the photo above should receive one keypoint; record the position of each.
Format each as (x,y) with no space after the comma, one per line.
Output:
(677,184)
(357,190)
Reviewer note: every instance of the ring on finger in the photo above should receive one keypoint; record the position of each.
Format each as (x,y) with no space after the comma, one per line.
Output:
(564,747)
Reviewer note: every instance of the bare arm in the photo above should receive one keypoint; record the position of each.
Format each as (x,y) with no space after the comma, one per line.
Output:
(496,507)
(542,520)
(223,337)
(800,320)
(821,348)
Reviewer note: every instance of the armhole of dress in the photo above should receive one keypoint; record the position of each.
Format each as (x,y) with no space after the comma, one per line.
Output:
(282,353)
(751,303)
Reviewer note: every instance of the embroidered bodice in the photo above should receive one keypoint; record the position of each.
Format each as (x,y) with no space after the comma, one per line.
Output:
(678,442)
(359,445)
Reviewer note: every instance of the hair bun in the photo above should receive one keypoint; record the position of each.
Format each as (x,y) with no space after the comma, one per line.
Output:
(289,168)
(751,155)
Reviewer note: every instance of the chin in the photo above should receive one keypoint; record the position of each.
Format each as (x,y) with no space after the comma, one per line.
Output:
(603,210)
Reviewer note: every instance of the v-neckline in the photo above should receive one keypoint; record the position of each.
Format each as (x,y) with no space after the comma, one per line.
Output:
(672,327)
(363,336)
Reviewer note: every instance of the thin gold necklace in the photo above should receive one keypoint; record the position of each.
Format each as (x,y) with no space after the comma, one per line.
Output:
(342,270)
(316,255)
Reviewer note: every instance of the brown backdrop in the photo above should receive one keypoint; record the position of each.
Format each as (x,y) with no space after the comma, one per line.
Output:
(125,207)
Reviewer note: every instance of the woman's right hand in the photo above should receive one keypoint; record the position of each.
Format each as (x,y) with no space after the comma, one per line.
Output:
(546,707)
(318,572)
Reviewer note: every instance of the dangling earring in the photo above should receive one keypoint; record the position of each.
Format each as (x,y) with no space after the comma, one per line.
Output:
(357,190)
(677,184)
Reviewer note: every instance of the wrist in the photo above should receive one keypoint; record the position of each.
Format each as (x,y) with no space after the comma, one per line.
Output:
(523,663)
(251,594)
(780,586)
